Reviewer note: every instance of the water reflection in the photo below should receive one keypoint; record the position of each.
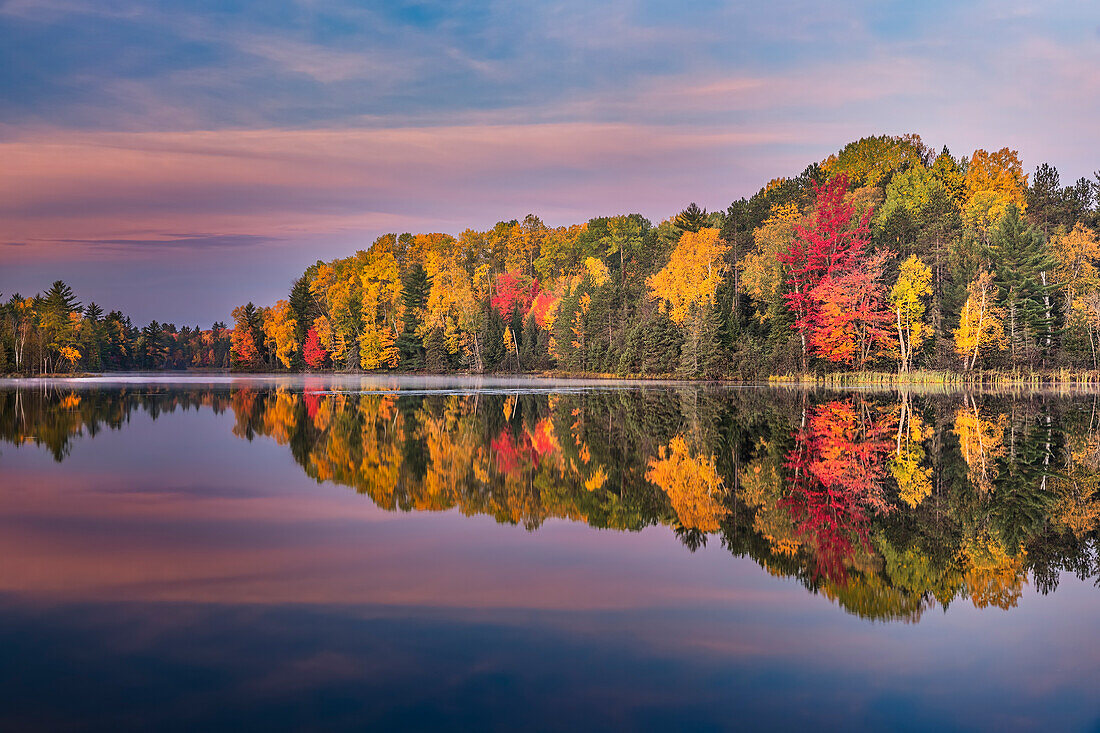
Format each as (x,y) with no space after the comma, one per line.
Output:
(887,504)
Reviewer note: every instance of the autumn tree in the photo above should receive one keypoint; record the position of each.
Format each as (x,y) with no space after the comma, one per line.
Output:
(981,326)
(851,325)
(762,269)
(830,245)
(685,287)
(994,181)
(314,353)
(281,332)
(907,297)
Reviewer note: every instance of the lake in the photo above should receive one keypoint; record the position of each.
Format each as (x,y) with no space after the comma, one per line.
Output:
(340,553)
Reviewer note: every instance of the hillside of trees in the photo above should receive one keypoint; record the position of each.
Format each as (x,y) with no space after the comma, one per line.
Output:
(886,256)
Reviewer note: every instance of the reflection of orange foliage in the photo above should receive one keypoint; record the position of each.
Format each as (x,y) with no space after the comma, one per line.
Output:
(453,451)
(596,480)
(543,439)
(993,577)
(692,484)
(280,418)
(848,444)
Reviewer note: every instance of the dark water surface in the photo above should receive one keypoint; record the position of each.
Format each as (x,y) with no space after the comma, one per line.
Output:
(345,553)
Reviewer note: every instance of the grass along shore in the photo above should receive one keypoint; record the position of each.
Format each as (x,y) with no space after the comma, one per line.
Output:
(985,378)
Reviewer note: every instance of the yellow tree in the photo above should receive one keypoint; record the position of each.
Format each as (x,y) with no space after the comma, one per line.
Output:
(377,348)
(1076,252)
(381,287)
(687,284)
(981,325)
(70,354)
(692,274)
(994,181)
(454,303)
(907,297)
(280,331)
(761,270)
(333,342)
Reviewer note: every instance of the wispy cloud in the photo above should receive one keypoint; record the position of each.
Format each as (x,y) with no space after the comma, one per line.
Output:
(189,241)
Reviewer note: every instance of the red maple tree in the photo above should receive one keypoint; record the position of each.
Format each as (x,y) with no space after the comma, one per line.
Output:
(832,245)
(512,290)
(314,353)
(850,321)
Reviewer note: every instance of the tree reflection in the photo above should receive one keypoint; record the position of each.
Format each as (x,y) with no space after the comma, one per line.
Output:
(887,504)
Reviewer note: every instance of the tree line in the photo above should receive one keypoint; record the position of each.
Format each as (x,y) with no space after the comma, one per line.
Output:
(52,333)
(887,255)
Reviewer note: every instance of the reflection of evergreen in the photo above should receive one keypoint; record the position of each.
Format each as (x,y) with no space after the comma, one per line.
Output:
(1022,502)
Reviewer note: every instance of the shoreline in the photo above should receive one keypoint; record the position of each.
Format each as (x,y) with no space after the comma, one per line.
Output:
(1058,381)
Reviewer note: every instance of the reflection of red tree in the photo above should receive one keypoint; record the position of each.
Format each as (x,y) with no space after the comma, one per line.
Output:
(313,402)
(836,469)
(511,452)
(543,439)
(526,448)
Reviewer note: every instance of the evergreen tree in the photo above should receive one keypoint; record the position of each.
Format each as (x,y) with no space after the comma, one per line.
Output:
(152,346)
(492,339)
(662,345)
(700,355)
(436,358)
(304,307)
(415,286)
(1023,268)
(93,337)
(691,219)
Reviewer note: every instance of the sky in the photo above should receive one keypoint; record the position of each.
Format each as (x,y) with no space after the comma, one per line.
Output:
(174,160)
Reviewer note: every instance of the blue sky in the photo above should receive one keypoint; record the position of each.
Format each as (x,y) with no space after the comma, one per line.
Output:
(172,159)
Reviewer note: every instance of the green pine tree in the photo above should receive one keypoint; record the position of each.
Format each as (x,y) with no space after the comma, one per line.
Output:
(1023,269)
(692,219)
(415,286)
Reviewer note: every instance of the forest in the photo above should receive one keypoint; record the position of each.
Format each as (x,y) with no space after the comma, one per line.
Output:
(887,256)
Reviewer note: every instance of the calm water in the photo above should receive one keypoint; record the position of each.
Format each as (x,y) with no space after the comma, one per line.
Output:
(349,553)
